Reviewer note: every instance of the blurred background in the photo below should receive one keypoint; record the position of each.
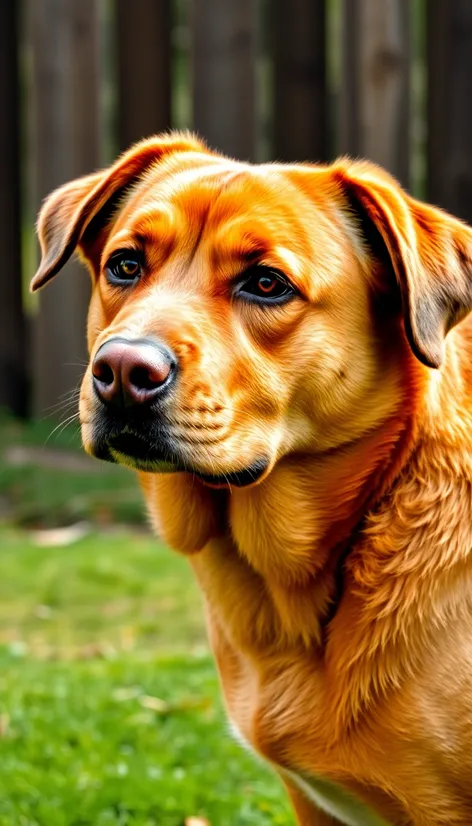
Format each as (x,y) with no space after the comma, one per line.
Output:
(260,79)
(109,709)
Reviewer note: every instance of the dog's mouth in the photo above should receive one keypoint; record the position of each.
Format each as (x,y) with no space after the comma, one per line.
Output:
(136,447)
(238,478)
(151,456)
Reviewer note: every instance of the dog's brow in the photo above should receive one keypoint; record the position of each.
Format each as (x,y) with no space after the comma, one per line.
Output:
(239,245)
(290,261)
(122,240)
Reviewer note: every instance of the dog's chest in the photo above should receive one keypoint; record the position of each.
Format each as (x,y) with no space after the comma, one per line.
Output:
(330,797)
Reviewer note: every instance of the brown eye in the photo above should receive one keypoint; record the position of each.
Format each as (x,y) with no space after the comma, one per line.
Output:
(265,286)
(124,267)
(129,268)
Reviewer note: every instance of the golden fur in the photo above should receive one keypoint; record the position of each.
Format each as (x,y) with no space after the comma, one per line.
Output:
(338,587)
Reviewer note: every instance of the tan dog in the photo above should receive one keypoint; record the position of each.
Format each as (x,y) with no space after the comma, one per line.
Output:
(268,333)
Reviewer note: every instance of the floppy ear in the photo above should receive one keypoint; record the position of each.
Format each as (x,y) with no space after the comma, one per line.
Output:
(67,212)
(430,252)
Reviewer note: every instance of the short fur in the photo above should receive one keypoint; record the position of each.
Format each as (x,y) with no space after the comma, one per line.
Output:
(338,587)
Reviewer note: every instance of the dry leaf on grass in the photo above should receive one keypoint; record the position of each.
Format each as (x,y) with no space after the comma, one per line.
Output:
(155,704)
(60,537)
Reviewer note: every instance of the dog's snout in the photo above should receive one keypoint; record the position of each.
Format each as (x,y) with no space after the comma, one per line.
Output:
(127,373)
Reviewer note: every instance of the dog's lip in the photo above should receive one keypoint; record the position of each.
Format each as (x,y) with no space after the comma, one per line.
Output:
(139,453)
(136,449)
(134,446)
(239,478)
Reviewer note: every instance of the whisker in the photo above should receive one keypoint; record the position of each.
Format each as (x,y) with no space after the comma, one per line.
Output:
(76,364)
(60,410)
(64,401)
(229,486)
(60,405)
(62,425)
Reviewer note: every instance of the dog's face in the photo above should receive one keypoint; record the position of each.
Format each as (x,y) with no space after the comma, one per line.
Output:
(241,313)
(255,293)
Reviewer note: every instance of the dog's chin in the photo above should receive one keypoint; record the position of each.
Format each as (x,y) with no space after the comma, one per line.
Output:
(145,465)
(138,454)
(251,475)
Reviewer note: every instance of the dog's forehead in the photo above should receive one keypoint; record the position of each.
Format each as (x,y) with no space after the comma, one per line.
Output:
(204,188)
(233,202)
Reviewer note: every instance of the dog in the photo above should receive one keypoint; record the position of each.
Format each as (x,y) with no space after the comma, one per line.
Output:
(283,354)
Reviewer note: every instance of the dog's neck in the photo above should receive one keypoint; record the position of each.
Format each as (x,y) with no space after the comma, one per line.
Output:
(282,543)
(288,526)
(273,553)
(297,544)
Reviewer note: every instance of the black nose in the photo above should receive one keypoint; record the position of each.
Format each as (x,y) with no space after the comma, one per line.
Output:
(127,373)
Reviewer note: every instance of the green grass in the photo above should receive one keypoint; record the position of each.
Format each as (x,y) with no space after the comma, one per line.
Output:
(109,701)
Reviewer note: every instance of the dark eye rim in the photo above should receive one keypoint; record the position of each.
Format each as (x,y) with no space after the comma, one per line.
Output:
(265,300)
(115,259)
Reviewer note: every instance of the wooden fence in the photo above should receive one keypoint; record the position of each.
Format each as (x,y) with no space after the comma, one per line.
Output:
(259,79)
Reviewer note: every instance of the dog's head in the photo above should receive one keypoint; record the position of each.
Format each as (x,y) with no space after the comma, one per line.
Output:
(242,313)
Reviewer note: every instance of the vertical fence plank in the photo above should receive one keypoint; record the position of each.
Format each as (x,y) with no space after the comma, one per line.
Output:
(13,388)
(349,94)
(66,143)
(300,97)
(224,37)
(143,50)
(449,58)
(375,89)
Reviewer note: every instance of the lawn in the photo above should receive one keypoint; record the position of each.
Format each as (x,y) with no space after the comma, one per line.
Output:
(110,709)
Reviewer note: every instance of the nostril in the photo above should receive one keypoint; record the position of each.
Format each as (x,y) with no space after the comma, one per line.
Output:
(103,372)
(148,375)
(142,378)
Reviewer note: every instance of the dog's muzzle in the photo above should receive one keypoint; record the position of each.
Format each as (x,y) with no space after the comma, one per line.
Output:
(132,381)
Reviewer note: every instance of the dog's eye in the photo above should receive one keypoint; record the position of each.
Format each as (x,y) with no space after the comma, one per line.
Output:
(265,285)
(124,267)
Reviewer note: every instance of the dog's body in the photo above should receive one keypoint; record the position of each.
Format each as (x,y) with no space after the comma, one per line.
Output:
(322,466)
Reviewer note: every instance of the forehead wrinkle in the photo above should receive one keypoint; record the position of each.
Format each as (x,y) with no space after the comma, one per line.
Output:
(162,174)
(203,199)
(196,200)
(156,225)
(179,182)
(182,193)
(270,204)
